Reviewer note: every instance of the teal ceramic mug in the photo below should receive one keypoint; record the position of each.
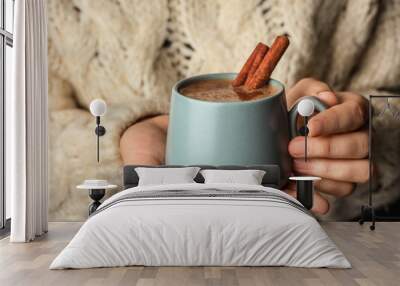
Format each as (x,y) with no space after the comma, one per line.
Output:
(232,133)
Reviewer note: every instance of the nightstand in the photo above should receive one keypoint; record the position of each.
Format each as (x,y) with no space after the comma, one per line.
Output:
(97,190)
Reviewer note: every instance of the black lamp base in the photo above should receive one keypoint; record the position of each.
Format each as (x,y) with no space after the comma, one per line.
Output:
(305,190)
(96,195)
(305,193)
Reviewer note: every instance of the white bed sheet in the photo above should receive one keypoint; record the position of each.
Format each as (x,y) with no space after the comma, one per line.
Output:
(200,231)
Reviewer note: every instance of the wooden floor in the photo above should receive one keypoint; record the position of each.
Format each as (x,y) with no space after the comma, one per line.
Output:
(375,257)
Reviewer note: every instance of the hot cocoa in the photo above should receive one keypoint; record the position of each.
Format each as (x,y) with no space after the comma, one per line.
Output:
(222,90)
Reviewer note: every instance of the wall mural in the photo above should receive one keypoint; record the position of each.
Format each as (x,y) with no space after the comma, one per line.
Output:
(131,54)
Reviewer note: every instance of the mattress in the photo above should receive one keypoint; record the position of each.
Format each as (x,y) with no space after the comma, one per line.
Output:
(201,225)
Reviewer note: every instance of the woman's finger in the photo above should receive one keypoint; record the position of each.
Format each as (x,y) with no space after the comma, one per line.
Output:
(352,145)
(337,189)
(328,97)
(354,171)
(320,204)
(310,86)
(347,116)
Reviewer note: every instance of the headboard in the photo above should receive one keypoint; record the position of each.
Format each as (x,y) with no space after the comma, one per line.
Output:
(270,179)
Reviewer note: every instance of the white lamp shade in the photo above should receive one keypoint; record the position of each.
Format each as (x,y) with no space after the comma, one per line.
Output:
(305,107)
(98,107)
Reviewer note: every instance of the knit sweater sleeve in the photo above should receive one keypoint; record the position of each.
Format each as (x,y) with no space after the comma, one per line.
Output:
(113,50)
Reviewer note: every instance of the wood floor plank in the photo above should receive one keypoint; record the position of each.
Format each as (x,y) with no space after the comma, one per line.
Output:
(375,257)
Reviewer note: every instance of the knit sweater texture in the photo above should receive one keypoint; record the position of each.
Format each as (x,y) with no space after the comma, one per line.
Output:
(131,52)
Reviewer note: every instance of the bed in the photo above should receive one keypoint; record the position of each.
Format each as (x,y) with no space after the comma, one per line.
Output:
(201,224)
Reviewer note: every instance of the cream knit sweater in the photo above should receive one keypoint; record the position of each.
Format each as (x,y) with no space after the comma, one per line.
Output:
(131,52)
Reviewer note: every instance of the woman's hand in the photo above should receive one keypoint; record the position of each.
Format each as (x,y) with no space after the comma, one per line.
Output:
(337,143)
(144,142)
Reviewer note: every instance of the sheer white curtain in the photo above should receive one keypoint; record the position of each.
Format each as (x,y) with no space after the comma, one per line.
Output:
(27,123)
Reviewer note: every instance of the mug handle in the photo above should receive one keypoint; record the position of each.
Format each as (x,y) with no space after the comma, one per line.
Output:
(293,113)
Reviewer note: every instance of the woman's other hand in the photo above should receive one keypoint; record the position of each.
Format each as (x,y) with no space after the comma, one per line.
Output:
(337,146)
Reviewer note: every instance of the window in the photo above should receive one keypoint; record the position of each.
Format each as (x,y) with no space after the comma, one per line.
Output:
(6,44)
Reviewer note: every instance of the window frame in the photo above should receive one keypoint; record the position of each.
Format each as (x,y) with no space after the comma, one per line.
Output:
(6,39)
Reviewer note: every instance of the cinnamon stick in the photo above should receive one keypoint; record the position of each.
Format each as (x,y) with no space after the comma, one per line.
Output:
(256,63)
(243,74)
(269,62)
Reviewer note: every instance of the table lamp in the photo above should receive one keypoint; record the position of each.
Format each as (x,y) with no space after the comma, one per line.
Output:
(304,184)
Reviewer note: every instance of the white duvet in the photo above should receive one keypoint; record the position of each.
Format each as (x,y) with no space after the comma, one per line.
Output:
(183,231)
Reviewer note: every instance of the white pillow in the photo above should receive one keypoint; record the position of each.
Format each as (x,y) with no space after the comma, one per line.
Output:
(248,177)
(163,176)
